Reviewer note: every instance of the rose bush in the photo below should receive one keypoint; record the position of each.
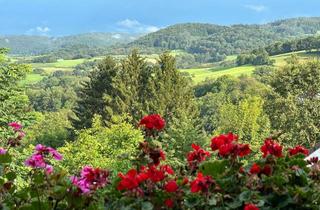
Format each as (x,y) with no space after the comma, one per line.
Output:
(224,177)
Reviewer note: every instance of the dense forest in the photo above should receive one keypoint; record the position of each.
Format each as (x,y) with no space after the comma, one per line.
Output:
(213,42)
(37,45)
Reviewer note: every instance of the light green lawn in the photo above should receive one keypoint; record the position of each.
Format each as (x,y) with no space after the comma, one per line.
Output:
(201,74)
(32,79)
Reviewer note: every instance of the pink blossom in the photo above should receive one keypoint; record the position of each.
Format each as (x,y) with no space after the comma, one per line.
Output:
(36,161)
(2,151)
(15,125)
(43,150)
(91,179)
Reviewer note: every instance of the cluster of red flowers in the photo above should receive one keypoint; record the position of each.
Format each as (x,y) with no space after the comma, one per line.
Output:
(38,159)
(256,169)
(91,179)
(271,147)
(196,156)
(201,183)
(155,154)
(153,122)
(298,150)
(228,146)
(133,178)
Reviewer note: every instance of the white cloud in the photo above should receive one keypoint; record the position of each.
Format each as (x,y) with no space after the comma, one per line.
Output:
(39,30)
(150,29)
(129,23)
(256,8)
(116,36)
(132,25)
(7,40)
(43,29)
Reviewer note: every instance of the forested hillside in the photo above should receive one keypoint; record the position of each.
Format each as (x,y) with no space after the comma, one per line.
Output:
(35,45)
(210,42)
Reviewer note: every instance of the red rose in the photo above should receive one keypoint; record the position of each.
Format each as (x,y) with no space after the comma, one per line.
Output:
(201,183)
(226,149)
(153,122)
(243,150)
(218,141)
(271,147)
(255,169)
(250,206)
(298,150)
(169,203)
(267,170)
(197,156)
(171,186)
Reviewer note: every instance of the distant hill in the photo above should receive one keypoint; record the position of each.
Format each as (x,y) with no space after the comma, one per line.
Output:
(210,42)
(35,45)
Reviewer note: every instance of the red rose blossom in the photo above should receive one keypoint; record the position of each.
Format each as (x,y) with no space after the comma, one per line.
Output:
(267,170)
(255,169)
(169,203)
(218,141)
(153,122)
(131,180)
(250,206)
(298,150)
(171,186)
(271,147)
(201,183)
(197,156)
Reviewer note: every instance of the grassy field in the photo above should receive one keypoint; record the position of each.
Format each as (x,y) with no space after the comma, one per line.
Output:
(198,74)
(201,74)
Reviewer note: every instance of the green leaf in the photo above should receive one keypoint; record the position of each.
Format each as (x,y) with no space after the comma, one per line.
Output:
(11,176)
(147,206)
(6,158)
(212,201)
(215,168)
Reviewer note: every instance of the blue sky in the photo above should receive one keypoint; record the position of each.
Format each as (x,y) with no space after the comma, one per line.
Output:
(63,17)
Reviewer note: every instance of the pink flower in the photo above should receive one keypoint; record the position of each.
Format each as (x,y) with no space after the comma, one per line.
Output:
(3,151)
(45,150)
(48,169)
(91,179)
(36,161)
(15,125)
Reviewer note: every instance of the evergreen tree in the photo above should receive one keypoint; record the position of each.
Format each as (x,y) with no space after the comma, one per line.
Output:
(95,95)
(134,88)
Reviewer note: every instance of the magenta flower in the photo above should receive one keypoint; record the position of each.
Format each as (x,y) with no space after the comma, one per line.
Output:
(90,179)
(3,151)
(41,149)
(15,125)
(36,161)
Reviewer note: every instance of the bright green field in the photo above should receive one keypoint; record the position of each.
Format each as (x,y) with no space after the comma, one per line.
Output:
(201,74)
(31,79)
(198,74)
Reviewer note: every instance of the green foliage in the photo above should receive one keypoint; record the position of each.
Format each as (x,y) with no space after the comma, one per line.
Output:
(99,146)
(226,99)
(54,93)
(257,57)
(246,119)
(209,43)
(14,104)
(134,87)
(294,107)
(51,129)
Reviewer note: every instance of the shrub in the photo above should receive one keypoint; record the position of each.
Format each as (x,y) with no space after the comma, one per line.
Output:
(224,178)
